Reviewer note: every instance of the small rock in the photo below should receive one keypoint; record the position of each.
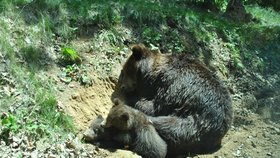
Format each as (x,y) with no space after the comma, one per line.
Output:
(72,155)
(75,96)
(91,152)
(269,154)
(71,85)
(84,154)
(60,105)
(253,144)
(15,145)
(65,79)
(240,146)
(238,152)
(51,156)
(123,154)
(34,154)
(27,40)
(61,89)
(69,150)
(3,143)
(11,110)
(17,140)
(277,130)
(96,151)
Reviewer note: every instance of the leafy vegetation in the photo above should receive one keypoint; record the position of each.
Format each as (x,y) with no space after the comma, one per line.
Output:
(28,104)
(75,73)
(69,56)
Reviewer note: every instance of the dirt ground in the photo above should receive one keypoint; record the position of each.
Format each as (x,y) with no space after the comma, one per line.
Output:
(85,103)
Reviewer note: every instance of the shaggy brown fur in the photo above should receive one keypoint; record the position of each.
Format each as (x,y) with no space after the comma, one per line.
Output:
(136,131)
(188,105)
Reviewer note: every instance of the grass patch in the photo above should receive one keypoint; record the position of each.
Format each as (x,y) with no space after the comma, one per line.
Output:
(31,54)
(27,98)
(36,112)
(266,16)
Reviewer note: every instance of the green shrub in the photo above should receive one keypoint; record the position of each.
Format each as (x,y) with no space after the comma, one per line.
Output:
(70,56)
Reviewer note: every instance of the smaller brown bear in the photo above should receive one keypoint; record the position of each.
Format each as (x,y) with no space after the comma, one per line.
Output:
(100,136)
(137,131)
(95,131)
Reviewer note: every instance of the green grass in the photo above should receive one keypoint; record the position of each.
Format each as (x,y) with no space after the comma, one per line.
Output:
(266,16)
(32,105)
(37,112)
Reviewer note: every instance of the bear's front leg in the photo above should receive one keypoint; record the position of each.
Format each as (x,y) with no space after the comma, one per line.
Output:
(146,106)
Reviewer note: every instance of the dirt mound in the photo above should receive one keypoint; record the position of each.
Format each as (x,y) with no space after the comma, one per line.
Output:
(85,103)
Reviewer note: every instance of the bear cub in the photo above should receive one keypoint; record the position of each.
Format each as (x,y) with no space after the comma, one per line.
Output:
(135,130)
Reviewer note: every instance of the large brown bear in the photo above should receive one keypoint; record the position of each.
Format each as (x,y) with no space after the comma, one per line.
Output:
(187,104)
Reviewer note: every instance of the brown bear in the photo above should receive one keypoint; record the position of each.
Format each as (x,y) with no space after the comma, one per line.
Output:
(188,105)
(100,136)
(105,135)
(135,130)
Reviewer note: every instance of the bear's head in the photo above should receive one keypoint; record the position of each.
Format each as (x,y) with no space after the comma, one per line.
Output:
(120,116)
(136,66)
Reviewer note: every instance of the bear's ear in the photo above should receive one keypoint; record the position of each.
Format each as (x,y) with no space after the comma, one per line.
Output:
(116,102)
(139,52)
(125,116)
